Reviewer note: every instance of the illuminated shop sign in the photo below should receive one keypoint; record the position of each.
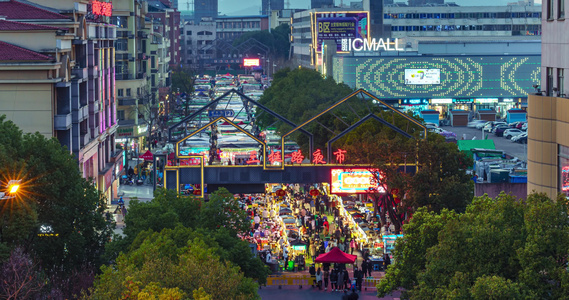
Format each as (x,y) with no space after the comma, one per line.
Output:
(486,100)
(337,26)
(415,102)
(422,76)
(100,8)
(359,44)
(462,100)
(251,62)
(353,181)
(441,101)
(508,100)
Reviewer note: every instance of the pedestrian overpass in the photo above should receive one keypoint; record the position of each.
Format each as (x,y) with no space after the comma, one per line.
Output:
(181,169)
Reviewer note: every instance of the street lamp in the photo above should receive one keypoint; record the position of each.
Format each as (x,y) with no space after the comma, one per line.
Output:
(12,188)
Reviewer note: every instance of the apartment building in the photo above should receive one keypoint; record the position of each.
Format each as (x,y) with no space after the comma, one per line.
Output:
(57,78)
(198,41)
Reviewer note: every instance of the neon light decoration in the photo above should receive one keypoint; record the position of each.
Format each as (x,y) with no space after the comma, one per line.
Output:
(102,8)
(251,62)
(340,157)
(253,158)
(297,157)
(275,156)
(354,181)
(317,157)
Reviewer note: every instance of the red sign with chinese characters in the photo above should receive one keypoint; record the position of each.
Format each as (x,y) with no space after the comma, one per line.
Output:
(314,192)
(280,193)
(275,156)
(317,157)
(340,157)
(297,157)
(253,158)
(102,8)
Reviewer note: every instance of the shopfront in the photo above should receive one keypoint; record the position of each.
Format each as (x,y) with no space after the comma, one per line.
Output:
(442,106)
(414,105)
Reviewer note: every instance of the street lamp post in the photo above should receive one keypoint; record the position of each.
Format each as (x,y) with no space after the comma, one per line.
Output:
(12,189)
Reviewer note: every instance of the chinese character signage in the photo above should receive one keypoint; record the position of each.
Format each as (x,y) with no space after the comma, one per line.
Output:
(317,157)
(297,157)
(340,155)
(100,8)
(353,181)
(340,26)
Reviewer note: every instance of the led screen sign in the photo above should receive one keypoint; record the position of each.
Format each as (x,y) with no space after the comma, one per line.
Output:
(422,76)
(358,45)
(339,26)
(100,8)
(251,62)
(353,181)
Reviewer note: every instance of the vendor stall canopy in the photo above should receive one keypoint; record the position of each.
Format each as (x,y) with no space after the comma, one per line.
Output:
(336,256)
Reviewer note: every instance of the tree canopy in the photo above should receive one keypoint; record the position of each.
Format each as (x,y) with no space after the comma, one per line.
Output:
(503,248)
(277,40)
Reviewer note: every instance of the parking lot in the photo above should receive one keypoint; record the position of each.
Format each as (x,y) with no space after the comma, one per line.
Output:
(514,149)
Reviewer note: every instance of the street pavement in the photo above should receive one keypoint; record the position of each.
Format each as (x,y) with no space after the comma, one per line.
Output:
(309,293)
(514,149)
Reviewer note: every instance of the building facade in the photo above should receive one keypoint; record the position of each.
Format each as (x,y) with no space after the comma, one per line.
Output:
(269,5)
(170,20)
(198,42)
(548,108)
(232,27)
(64,85)
(515,20)
(321,4)
(205,9)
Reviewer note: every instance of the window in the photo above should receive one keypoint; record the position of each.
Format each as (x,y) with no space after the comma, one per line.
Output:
(189,51)
(128,93)
(121,45)
(189,32)
(120,22)
(549,83)
(120,92)
(188,42)
(563,169)
(120,114)
(561,9)
(550,9)
(560,86)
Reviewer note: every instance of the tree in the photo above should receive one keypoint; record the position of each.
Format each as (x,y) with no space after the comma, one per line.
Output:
(501,248)
(159,262)
(277,41)
(147,110)
(53,195)
(20,277)
(183,80)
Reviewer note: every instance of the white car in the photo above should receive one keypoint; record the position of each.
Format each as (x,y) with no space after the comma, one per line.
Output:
(475,123)
(509,133)
(519,136)
(482,125)
(427,124)
(525,127)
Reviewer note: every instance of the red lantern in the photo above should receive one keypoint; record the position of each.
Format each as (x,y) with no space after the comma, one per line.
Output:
(314,192)
(197,192)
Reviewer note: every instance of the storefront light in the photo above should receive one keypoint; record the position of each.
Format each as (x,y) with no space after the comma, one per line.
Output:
(441,101)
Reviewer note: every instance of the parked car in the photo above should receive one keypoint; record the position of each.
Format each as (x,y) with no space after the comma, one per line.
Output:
(509,133)
(520,138)
(514,124)
(482,125)
(447,134)
(525,127)
(475,123)
(490,127)
(427,124)
(520,125)
(499,129)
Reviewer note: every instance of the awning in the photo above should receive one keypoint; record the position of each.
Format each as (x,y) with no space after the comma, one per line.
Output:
(147,155)
(336,256)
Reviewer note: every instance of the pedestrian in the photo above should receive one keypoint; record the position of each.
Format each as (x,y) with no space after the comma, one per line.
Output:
(326,227)
(341,280)
(312,271)
(347,281)
(364,268)
(333,280)
(326,278)
(352,246)
(359,277)
(386,260)
(319,279)
(312,249)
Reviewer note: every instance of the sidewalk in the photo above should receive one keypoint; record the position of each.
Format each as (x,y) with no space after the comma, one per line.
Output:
(143,193)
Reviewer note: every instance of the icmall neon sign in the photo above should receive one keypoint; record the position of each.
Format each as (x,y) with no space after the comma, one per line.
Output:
(359,44)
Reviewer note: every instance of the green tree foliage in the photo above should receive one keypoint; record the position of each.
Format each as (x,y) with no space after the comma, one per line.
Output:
(216,222)
(161,263)
(277,40)
(53,194)
(183,80)
(501,248)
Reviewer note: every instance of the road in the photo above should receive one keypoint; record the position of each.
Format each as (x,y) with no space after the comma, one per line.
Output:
(308,293)
(514,149)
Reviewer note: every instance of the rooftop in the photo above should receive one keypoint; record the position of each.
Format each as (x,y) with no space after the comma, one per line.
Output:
(16,26)
(9,52)
(16,10)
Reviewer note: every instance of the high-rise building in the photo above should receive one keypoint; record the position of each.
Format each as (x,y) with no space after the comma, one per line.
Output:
(321,4)
(425,2)
(274,5)
(375,8)
(205,8)
(57,71)
(548,108)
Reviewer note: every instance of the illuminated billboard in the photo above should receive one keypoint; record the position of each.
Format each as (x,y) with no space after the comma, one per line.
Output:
(251,62)
(340,26)
(353,181)
(422,76)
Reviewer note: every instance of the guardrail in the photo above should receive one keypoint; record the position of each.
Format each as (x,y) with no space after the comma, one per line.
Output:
(370,283)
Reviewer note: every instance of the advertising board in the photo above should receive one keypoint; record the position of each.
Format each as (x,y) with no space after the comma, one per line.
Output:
(422,76)
(340,26)
(353,181)
(251,62)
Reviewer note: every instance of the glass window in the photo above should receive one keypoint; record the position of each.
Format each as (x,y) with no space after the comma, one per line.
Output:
(189,32)
(128,93)
(550,9)
(560,86)
(564,169)
(560,9)
(120,92)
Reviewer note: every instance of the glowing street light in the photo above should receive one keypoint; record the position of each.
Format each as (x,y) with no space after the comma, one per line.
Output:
(12,187)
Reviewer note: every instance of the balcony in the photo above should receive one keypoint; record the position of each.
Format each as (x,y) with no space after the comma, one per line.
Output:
(62,122)
(141,76)
(95,132)
(130,35)
(127,102)
(142,56)
(93,72)
(142,34)
(84,139)
(94,108)
(80,73)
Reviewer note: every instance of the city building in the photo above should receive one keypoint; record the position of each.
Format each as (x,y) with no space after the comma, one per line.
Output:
(446,21)
(310,28)
(269,5)
(232,27)
(375,8)
(170,20)
(470,76)
(205,9)
(321,4)
(198,42)
(57,78)
(283,16)
(548,108)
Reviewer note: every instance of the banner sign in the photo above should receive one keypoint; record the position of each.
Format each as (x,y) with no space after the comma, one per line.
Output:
(340,26)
